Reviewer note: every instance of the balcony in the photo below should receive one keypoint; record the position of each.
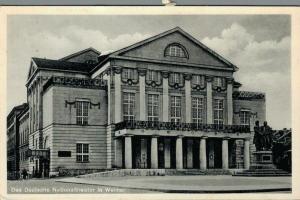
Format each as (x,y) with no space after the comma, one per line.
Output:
(151,125)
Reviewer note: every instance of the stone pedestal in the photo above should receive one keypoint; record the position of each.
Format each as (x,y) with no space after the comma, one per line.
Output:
(263,160)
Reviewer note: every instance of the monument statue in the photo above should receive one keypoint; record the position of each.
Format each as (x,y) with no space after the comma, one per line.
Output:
(262,137)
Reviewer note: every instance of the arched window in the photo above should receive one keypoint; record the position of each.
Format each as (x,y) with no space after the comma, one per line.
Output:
(176,50)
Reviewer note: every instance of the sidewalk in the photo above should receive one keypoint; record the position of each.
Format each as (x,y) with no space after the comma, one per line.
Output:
(190,184)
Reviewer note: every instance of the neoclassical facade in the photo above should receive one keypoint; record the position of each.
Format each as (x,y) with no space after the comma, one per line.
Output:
(165,102)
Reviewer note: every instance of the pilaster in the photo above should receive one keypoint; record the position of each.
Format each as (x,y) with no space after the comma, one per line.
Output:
(118,95)
(142,73)
(229,101)
(188,100)
(165,76)
(209,100)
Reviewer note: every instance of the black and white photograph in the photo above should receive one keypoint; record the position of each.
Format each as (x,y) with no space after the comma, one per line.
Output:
(148,103)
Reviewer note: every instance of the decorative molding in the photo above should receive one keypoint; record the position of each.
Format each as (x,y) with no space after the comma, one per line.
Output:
(176,85)
(75,82)
(94,104)
(142,71)
(153,84)
(198,87)
(165,74)
(219,89)
(74,103)
(253,114)
(117,69)
(187,77)
(229,80)
(70,103)
(246,95)
(209,78)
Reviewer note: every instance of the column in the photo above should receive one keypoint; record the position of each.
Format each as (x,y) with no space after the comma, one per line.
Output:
(209,100)
(118,95)
(165,76)
(203,153)
(142,74)
(247,153)
(167,153)
(118,152)
(179,157)
(189,153)
(154,153)
(225,153)
(128,152)
(229,101)
(188,98)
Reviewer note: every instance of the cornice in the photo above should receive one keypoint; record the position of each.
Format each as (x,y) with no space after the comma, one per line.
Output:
(203,66)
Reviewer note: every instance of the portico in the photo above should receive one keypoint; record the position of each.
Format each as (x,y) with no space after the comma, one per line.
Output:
(176,151)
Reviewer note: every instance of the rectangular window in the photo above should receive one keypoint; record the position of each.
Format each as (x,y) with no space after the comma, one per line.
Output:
(82,112)
(245,117)
(218,81)
(197,110)
(175,78)
(153,107)
(198,80)
(64,154)
(175,109)
(82,152)
(128,106)
(128,73)
(152,75)
(218,111)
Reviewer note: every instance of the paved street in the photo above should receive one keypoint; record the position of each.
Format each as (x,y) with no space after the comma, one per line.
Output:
(146,184)
(193,184)
(52,186)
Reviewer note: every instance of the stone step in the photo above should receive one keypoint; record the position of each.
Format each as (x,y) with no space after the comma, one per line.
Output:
(261,175)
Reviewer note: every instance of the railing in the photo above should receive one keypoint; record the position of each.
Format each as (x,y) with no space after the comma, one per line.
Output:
(182,126)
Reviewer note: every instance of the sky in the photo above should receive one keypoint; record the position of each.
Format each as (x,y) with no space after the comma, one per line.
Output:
(259,45)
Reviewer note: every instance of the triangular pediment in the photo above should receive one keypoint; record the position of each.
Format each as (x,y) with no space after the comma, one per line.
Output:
(154,48)
(32,68)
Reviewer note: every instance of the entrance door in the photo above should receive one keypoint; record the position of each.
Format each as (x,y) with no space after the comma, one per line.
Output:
(161,153)
(143,163)
(214,153)
(218,153)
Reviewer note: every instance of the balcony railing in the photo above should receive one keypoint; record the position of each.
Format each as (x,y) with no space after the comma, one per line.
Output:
(182,126)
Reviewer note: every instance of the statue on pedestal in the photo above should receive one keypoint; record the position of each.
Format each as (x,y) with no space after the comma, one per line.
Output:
(262,137)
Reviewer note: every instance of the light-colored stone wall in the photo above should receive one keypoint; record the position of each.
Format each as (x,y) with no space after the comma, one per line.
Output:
(66,113)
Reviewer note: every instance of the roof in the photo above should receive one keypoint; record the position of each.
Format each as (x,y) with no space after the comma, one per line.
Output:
(18,108)
(237,84)
(176,29)
(63,65)
(80,52)
(246,95)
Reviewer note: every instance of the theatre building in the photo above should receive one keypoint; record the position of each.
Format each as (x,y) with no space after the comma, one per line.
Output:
(166,102)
